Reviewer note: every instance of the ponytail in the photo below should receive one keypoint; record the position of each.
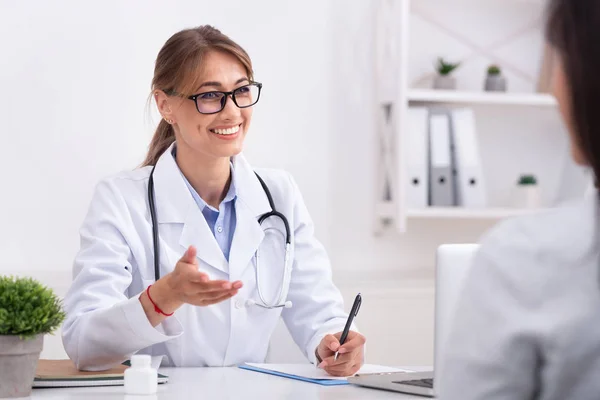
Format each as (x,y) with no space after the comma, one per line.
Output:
(162,139)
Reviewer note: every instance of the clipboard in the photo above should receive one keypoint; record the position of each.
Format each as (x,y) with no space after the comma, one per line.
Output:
(310,373)
(324,382)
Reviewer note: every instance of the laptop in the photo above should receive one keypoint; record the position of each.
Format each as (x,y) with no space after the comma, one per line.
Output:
(452,264)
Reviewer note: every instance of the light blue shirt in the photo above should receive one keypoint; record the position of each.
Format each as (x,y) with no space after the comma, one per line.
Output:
(222,221)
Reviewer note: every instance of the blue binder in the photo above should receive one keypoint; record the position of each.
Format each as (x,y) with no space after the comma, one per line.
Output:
(325,382)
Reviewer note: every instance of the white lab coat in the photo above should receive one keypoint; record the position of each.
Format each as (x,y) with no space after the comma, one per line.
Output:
(106,323)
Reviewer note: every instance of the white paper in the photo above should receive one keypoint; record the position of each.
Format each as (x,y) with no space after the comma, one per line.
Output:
(312,372)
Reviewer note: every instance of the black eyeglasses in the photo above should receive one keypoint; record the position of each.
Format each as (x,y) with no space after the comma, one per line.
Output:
(214,102)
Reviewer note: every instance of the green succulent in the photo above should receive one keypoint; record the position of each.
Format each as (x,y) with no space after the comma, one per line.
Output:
(27,308)
(445,68)
(494,70)
(527,180)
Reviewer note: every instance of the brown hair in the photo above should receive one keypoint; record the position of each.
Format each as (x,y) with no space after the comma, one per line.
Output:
(573,28)
(176,70)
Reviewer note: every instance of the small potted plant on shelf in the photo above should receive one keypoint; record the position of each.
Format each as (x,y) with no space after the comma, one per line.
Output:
(444,80)
(495,82)
(527,192)
(28,310)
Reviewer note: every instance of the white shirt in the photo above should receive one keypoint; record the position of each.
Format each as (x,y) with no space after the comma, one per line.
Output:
(527,325)
(106,323)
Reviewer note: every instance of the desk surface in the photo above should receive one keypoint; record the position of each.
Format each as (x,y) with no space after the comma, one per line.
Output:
(224,383)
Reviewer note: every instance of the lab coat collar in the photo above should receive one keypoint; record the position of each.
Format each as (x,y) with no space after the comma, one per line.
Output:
(174,199)
(249,189)
(175,204)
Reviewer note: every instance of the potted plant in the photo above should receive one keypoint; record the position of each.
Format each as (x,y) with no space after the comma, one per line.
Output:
(527,192)
(28,310)
(443,80)
(495,82)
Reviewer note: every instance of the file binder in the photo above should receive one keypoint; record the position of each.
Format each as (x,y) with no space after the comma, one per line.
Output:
(417,144)
(469,174)
(441,182)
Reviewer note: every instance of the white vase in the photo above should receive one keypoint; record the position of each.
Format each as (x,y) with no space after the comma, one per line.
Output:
(527,196)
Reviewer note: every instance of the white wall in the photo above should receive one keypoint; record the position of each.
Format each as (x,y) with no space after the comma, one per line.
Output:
(75,77)
(513,140)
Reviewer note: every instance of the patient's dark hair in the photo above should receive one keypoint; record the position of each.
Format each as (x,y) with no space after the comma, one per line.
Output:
(573,29)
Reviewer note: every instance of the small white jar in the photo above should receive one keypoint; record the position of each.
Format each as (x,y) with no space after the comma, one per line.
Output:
(141,378)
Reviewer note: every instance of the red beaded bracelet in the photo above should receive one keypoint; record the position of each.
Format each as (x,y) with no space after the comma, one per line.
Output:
(156,308)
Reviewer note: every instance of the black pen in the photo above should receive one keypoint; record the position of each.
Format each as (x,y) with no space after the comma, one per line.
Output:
(353,313)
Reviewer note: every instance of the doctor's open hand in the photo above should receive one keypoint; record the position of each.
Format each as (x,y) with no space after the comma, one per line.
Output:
(186,284)
(350,357)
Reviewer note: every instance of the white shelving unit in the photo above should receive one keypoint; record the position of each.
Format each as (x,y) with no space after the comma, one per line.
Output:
(462,213)
(480,98)
(386,210)
(523,116)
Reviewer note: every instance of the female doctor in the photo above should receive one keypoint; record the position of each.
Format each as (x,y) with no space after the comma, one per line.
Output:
(196,255)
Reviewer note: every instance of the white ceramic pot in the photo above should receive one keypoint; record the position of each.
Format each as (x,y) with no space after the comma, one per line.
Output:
(444,82)
(527,196)
(495,83)
(18,361)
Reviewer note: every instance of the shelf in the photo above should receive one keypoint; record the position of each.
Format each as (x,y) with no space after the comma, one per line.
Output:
(465,213)
(460,97)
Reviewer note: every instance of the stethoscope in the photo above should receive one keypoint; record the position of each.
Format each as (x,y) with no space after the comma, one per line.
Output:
(283,290)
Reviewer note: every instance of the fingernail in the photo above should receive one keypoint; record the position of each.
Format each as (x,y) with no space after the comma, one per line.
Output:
(323,364)
(342,350)
(334,346)
(227,285)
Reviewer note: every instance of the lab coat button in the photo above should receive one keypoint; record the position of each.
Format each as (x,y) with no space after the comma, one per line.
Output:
(239,304)
(220,229)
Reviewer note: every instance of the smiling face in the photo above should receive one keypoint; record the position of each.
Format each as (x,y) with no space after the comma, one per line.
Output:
(218,135)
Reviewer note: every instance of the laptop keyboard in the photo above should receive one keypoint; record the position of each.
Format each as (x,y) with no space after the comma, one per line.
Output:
(426,383)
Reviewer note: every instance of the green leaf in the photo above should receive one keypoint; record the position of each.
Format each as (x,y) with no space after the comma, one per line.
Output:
(494,70)
(28,308)
(445,68)
(527,180)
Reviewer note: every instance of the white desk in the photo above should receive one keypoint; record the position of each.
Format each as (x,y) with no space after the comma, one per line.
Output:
(224,383)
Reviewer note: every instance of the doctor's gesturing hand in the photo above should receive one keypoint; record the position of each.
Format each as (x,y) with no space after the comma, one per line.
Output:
(351,354)
(186,284)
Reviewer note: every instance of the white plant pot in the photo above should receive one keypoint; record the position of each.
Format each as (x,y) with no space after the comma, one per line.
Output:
(527,196)
(18,361)
(495,83)
(444,82)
